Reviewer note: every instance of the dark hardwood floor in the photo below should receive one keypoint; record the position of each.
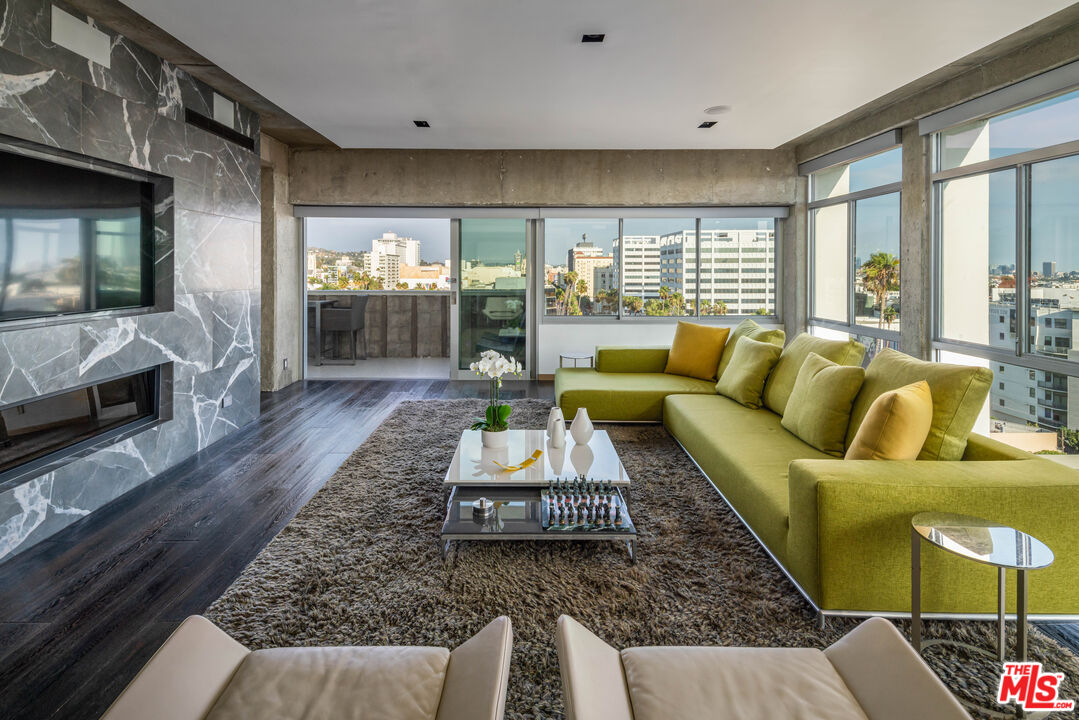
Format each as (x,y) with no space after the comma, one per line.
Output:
(81,612)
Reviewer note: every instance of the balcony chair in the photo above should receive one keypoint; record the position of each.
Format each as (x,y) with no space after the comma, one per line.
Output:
(349,320)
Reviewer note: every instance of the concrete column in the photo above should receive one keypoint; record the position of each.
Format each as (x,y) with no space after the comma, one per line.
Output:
(915,247)
(280,351)
(794,283)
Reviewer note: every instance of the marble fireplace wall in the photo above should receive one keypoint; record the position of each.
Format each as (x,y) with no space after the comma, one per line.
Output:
(132,113)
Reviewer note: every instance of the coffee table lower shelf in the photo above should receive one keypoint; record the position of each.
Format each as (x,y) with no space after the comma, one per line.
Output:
(519,516)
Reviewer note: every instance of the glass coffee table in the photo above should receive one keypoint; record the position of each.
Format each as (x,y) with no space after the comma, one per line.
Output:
(575,493)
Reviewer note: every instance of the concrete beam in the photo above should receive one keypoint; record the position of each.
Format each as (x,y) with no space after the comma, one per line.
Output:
(531,178)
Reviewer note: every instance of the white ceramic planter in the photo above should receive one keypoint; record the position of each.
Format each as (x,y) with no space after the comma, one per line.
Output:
(582,427)
(556,426)
(494,439)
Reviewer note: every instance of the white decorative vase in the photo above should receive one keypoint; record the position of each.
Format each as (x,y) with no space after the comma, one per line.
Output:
(555,418)
(556,430)
(582,428)
(494,439)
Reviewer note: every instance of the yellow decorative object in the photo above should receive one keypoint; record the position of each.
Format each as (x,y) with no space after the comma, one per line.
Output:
(521,465)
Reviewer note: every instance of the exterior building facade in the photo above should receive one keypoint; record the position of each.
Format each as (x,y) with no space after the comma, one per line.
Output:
(406,248)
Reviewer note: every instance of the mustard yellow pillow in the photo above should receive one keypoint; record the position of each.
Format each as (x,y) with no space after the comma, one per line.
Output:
(818,409)
(743,379)
(696,350)
(896,425)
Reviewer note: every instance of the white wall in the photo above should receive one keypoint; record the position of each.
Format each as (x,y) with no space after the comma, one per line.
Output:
(583,337)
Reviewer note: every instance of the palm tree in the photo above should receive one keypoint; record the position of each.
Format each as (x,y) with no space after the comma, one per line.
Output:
(880,275)
(889,315)
(632,304)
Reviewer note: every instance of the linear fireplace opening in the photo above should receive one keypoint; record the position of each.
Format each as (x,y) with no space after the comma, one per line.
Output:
(46,431)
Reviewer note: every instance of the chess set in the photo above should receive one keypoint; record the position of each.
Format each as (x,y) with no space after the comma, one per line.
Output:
(583,505)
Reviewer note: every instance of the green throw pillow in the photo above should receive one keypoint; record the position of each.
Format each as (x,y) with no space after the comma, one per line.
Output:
(781,383)
(743,379)
(750,329)
(818,410)
(959,393)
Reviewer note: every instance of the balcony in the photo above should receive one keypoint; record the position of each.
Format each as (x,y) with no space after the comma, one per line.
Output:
(400,333)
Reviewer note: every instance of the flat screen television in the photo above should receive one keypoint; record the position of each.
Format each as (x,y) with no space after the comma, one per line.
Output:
(72,239)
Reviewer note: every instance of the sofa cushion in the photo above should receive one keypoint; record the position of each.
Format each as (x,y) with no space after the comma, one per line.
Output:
(959,394)
(621,396)
(342,683)
(618,359)
(748,328)
(745,453)
(736,682)
(781,382)
(696,350)
(896,426)
(744,378)
(818,410)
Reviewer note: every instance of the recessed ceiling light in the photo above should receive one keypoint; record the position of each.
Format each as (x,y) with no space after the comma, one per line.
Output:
(707,124)
(421,123)
(593,37)
(717,110)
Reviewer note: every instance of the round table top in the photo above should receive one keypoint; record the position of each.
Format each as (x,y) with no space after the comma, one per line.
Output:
(576,356)
(983,541)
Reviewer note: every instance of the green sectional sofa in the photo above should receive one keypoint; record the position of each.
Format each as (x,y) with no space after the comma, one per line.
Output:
(841,528)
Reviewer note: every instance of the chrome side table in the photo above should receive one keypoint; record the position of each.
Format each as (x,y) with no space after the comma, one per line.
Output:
(990,543)
(575,357)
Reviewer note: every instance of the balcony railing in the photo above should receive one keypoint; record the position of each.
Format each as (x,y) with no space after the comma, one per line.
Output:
(396,324)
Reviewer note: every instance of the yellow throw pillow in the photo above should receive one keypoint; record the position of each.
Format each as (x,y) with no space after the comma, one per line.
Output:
(818,408)
(696,350)
(751,361)
(748,328)
(781,382)
(896,425)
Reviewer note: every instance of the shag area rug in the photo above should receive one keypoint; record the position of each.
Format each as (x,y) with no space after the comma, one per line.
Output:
(360,565)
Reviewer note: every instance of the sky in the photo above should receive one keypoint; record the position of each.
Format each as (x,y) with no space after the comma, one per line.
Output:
(356,234)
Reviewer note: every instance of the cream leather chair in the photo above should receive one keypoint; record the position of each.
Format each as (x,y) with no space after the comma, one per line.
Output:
(201,673)
(873,673)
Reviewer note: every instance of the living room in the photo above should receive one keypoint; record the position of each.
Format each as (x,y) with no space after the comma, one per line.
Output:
(582,360)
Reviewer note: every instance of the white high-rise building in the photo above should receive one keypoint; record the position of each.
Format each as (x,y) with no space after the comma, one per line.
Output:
(386,267)
(639,258)
(403,247)
(737,268)
(586,259)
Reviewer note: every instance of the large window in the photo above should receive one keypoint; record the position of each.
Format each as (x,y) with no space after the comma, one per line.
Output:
(378,253)
(854,235)
(1006,205)
(660,267)
(579,275)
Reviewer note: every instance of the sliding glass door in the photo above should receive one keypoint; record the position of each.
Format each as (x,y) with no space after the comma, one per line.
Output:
(493,310)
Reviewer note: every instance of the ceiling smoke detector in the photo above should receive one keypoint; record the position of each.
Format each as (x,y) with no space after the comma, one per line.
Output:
(717,110)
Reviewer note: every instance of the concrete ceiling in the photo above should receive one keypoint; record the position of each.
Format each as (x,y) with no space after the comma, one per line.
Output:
(513,73)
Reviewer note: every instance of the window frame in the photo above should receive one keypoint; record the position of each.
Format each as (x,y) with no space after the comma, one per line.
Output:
(851,201)
(698,214)
(1020,164)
